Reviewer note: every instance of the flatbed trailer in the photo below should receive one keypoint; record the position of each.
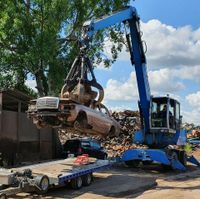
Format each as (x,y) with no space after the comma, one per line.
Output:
(41,177)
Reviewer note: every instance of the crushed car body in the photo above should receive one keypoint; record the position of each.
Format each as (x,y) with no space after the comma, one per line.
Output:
(64,113)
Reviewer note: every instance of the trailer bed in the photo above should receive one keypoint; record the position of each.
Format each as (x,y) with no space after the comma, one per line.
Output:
(57,172)
(64,170)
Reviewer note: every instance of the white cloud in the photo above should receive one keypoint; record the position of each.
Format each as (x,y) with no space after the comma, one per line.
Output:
(191,73)
(117,90)
(31,84)
(191,116)
(161,81)
(168,46)
(194,100)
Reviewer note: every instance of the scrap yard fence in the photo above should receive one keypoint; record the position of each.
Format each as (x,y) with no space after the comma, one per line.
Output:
(20,140)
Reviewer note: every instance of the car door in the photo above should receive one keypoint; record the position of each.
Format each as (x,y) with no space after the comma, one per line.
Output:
(96,147)
(100,121)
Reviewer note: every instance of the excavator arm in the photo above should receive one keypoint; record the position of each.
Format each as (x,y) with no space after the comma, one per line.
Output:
(130,16)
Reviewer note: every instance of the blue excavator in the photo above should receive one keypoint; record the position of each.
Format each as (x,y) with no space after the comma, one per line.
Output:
(160,116)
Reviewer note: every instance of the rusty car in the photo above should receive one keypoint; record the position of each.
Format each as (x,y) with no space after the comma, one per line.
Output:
(64,113)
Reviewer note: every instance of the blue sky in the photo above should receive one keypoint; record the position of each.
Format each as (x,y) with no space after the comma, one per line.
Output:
(174,12)
(171,30)
(174,66)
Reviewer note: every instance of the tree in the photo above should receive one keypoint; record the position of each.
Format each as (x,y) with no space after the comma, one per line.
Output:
(39,37)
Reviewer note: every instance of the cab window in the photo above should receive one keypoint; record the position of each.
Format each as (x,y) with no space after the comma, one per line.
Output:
(159,112)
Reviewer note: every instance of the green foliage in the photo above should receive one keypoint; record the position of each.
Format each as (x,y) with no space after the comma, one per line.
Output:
(188,148)
(39,37)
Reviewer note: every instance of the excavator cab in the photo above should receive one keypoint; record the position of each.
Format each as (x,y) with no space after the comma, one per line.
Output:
(165,115)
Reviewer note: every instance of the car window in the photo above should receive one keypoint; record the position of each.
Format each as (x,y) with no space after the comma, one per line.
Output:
(104,111)
(97,109)
(95,145)
(85,144)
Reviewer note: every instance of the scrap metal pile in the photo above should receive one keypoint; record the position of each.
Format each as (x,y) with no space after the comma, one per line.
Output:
(193,131)
(129,122)
(193,136)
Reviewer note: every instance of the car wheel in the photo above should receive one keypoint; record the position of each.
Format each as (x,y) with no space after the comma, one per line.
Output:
(105,157)
(76,183)
(42,183)
(87,179)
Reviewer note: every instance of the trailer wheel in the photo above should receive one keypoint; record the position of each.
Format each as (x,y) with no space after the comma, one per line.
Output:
(87,179)
(42,183)
(3,196)
(132,163)
(76,183)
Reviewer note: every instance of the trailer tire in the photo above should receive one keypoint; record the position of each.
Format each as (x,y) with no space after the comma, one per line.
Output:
(76,183)
(43,183)
(87,179)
